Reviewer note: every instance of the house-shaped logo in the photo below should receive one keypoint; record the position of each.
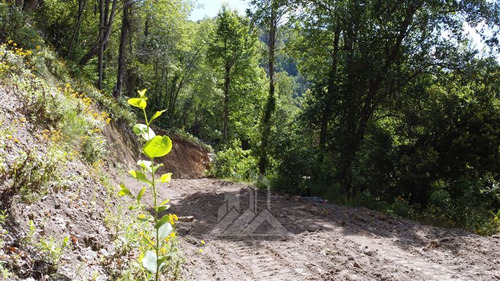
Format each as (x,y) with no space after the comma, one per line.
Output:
(232,222)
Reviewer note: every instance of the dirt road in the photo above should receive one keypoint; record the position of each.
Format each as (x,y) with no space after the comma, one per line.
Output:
(322,241)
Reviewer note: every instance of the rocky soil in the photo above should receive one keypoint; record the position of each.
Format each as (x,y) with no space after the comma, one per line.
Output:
(322,242)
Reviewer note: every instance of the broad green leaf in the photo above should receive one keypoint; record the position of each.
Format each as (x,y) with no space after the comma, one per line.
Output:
(166,177)
(146,165)
(149,261)
(164,230)
(141,193)
(124,191)
(161,260)
(142,93)
(143,131)
(138,102)
(156,115)
(139,176)
(157,147)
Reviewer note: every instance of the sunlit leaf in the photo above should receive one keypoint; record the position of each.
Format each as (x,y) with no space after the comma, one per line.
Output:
(141,193)
(166,177)
(139,176)
(162,260)
(124,191)
(157,147)
(146,165)
(138,102)
(142,92)
(156,167)
(156,115)
(165,230)
(162,208)
(162,221)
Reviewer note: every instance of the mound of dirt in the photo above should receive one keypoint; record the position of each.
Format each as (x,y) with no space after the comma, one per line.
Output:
(187,160)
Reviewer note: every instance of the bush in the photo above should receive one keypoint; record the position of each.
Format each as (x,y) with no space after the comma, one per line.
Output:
(234,163)
(13,25)
(34,173)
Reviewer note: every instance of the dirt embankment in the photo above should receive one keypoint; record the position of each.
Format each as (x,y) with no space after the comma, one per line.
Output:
(70,232)
(186,160)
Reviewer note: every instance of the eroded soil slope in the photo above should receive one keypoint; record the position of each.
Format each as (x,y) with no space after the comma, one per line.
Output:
(323,242)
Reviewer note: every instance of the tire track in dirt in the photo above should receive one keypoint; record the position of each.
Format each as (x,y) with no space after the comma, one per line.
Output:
(326,242)
(263,264)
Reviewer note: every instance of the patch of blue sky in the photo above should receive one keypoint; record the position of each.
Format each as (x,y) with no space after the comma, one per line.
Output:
(210,8)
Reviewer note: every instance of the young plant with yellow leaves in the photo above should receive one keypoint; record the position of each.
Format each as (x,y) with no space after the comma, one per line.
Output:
(154,259)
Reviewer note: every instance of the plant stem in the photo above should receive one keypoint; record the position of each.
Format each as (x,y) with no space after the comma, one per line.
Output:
(157,248)
(157,245)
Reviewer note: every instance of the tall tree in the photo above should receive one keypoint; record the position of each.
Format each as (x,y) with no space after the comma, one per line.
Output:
(122,52)
(76,30)
(377,48)
(231,49)
(268,14)
(104,31)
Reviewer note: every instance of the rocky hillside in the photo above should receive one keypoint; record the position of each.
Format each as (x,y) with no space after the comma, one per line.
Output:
(64,148)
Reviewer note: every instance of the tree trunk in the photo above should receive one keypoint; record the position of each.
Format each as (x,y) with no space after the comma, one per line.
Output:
(328,103)
(103,12)
(122,54)
(227,83)
(103,37)
(81,6)
(271,99)
(357,122)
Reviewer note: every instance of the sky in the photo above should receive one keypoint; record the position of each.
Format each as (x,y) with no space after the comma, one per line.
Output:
(210,8)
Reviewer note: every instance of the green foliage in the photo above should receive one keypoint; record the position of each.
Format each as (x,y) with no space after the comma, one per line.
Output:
(34,174)
(52,249)
(234,163)
(232,54)
(5,273)
(14,26)
(377,103)
(93,148)
(158,249)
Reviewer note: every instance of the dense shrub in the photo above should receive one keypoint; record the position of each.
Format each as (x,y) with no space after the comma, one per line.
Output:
(234,163)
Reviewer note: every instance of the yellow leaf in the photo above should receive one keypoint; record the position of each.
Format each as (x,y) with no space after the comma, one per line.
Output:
(166,177)
(142,93)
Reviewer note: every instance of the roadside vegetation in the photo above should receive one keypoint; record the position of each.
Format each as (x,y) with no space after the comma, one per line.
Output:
(383,104)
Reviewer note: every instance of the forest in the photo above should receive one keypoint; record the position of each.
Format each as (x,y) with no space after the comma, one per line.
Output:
(389,105)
